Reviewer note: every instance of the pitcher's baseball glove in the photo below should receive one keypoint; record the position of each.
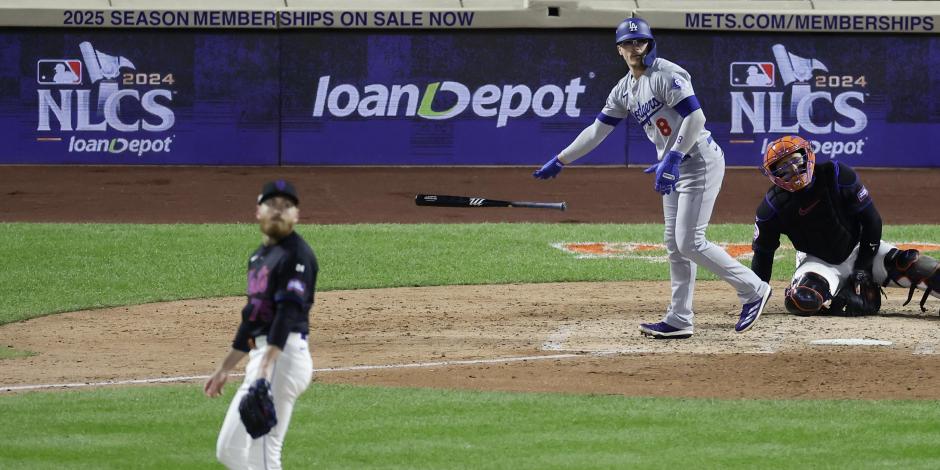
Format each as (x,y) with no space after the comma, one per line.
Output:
(257,409)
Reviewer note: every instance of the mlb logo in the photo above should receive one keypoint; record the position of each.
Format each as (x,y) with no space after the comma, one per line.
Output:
(59,72)
(752,74)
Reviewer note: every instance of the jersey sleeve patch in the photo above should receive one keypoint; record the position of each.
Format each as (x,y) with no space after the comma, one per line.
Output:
(674,88)
(862,194)
(296,286)
(676,83)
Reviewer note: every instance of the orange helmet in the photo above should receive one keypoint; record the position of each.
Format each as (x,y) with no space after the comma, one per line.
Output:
(789,163)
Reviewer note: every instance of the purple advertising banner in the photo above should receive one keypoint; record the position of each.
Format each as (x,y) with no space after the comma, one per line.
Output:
(481,97)
(139,97)
(445,97)
(494,97)
(867,100)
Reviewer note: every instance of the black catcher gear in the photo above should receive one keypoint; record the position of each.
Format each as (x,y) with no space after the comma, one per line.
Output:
(807,295)
(909,268)
(860,296)
(828,220)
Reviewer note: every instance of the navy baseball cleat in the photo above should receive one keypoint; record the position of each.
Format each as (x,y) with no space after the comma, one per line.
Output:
(663,330)
(751,312)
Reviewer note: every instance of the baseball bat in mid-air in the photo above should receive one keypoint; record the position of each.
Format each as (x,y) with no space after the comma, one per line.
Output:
(464,201)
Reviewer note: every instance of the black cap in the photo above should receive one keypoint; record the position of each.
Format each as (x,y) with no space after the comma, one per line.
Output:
(278,188)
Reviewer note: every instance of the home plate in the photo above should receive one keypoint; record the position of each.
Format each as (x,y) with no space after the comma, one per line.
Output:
(850,342)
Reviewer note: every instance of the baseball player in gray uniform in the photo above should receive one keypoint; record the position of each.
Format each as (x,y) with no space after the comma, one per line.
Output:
(659,95)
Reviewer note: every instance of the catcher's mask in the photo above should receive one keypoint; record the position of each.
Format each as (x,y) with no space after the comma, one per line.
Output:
(789,163)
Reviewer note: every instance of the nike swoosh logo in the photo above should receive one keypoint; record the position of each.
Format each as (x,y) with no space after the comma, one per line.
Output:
(805,210)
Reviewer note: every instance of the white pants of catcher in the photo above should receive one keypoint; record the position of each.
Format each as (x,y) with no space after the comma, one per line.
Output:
(293,372)
(838,274)
(687,211)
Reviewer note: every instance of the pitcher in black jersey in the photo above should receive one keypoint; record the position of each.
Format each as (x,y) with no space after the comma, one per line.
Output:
(828,215)
(282,277)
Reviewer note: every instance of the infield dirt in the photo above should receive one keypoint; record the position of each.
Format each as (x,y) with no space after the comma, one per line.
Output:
(594,323)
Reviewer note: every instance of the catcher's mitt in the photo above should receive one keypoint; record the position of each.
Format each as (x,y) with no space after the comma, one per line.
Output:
(257,409)
(860,296)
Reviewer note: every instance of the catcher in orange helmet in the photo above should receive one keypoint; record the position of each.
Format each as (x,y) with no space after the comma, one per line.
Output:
(828,215)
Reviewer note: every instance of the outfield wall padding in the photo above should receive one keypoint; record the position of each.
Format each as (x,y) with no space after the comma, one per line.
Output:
(444,97)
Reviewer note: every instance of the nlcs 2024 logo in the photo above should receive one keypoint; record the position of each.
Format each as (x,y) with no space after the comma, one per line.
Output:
(66,106)
(820,104)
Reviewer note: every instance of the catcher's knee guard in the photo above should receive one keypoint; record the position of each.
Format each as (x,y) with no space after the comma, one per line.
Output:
(909,268)
(807,294)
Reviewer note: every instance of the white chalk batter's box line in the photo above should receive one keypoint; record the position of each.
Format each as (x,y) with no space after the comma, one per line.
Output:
(190,378)
(920,349)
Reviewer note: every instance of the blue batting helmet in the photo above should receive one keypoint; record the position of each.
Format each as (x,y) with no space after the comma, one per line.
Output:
(638,28)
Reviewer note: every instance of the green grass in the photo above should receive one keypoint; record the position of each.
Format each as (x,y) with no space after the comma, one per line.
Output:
(7,352)
(364,427)
(52,268)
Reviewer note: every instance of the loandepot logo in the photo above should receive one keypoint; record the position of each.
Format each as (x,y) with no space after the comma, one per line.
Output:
(820,102)
(656,252)
(488,101)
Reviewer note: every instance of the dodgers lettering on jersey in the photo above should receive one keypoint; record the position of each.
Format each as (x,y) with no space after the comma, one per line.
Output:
(651,99)
(644,113)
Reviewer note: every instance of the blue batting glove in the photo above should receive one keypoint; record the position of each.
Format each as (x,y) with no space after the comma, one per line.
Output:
(549,170)
(667,172)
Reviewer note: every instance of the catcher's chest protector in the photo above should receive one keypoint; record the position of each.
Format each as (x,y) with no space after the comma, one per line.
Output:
(815,211)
